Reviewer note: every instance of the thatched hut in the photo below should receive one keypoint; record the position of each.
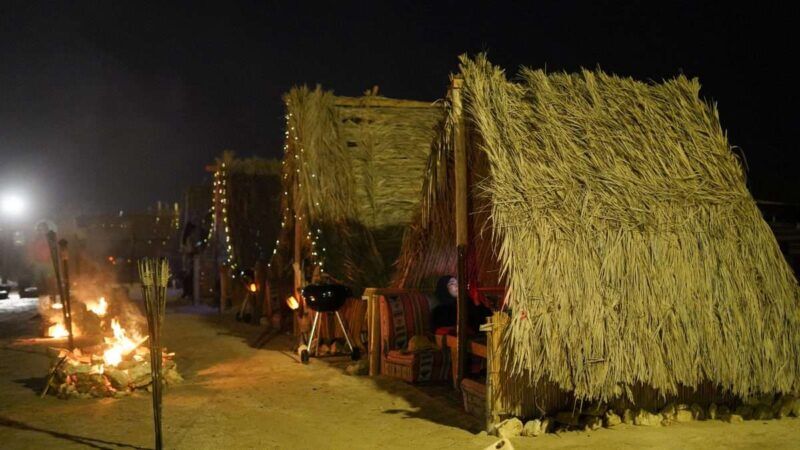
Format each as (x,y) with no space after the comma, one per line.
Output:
(615,218)
(352,175)
(246,195)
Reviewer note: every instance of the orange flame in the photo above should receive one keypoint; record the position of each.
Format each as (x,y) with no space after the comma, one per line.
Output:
(253,287)
(120,345)
(57,331)
(292,302)
(100,307)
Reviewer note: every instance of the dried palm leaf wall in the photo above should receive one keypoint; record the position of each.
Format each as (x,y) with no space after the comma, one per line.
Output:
(352,175)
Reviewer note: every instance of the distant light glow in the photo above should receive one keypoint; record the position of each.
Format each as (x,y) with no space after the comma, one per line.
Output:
(13,205)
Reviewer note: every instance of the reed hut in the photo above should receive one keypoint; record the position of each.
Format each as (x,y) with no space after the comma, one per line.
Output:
(352,177)
(245,198)
(615,219)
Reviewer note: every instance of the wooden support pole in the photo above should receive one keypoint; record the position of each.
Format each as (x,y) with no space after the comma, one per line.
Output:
(494,337)
(374,330)
(259,278)
(462,229)
(67,304)
(56,259)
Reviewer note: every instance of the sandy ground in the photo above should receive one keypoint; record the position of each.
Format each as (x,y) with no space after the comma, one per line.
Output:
(238,397)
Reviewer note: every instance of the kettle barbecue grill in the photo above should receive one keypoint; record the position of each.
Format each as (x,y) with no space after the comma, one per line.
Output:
(327,299)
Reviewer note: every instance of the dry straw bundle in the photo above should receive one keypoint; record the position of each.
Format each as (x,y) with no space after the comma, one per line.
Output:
(630,245)
(154,276)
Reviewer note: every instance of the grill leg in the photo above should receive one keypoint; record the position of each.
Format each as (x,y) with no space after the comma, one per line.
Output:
(311,337)
(344,330)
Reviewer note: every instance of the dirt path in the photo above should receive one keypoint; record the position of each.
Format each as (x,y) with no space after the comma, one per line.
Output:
(236,397)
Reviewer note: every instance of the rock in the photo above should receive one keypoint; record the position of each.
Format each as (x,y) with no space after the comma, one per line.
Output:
(647,419)
(683,416)
(172,377)
(669,411)
(783,406)
(697,412)
(734,418)
(532,428)
(360,367)
(723,411)
(762,412)
(140,375)
(568,418)
(72,368)
(547,425)
(510,428)
(120,379)
(745,411)
(628,417)
(611,420)
(502,444)
(711,413)
(120,394)
(592,422)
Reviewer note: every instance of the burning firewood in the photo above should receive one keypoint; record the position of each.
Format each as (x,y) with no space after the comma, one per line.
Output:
(85,374)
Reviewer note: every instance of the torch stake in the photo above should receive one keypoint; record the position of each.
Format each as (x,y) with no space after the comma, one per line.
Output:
(154,274)
(64,253)
(51,242)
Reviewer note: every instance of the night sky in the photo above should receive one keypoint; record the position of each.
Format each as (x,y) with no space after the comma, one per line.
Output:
(113,105)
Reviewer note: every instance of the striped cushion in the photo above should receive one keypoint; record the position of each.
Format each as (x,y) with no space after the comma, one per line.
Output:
(402,317)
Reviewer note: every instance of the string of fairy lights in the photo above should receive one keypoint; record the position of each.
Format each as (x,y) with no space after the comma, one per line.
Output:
(293,145)
(220,197)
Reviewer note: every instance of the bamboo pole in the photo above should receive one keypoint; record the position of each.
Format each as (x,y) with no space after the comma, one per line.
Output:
(154,275)
(460,161)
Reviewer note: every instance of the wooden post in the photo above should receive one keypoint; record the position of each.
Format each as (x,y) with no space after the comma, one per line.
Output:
(66,303)
(374,329)
(259,276)
(196,279)
(224,287)
(494,333)
(461,217)
(56,259)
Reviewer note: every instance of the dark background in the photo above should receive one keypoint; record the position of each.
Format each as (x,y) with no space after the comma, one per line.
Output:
(113,105)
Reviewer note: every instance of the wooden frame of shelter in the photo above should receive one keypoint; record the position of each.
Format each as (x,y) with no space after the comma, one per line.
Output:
(352,175)
(635,263)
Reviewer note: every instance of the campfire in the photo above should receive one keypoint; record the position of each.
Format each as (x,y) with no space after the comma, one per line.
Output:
(114,363)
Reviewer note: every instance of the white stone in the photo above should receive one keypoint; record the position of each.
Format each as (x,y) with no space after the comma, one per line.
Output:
(683,416)
(611,420)
(647,419)
(712,411)
(510,428)
(532,428)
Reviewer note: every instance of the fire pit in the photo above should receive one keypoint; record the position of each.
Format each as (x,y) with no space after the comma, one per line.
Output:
(113,362)
(87,373)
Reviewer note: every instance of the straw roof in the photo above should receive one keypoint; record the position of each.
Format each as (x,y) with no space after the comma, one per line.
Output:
(357,164)
(632,250)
